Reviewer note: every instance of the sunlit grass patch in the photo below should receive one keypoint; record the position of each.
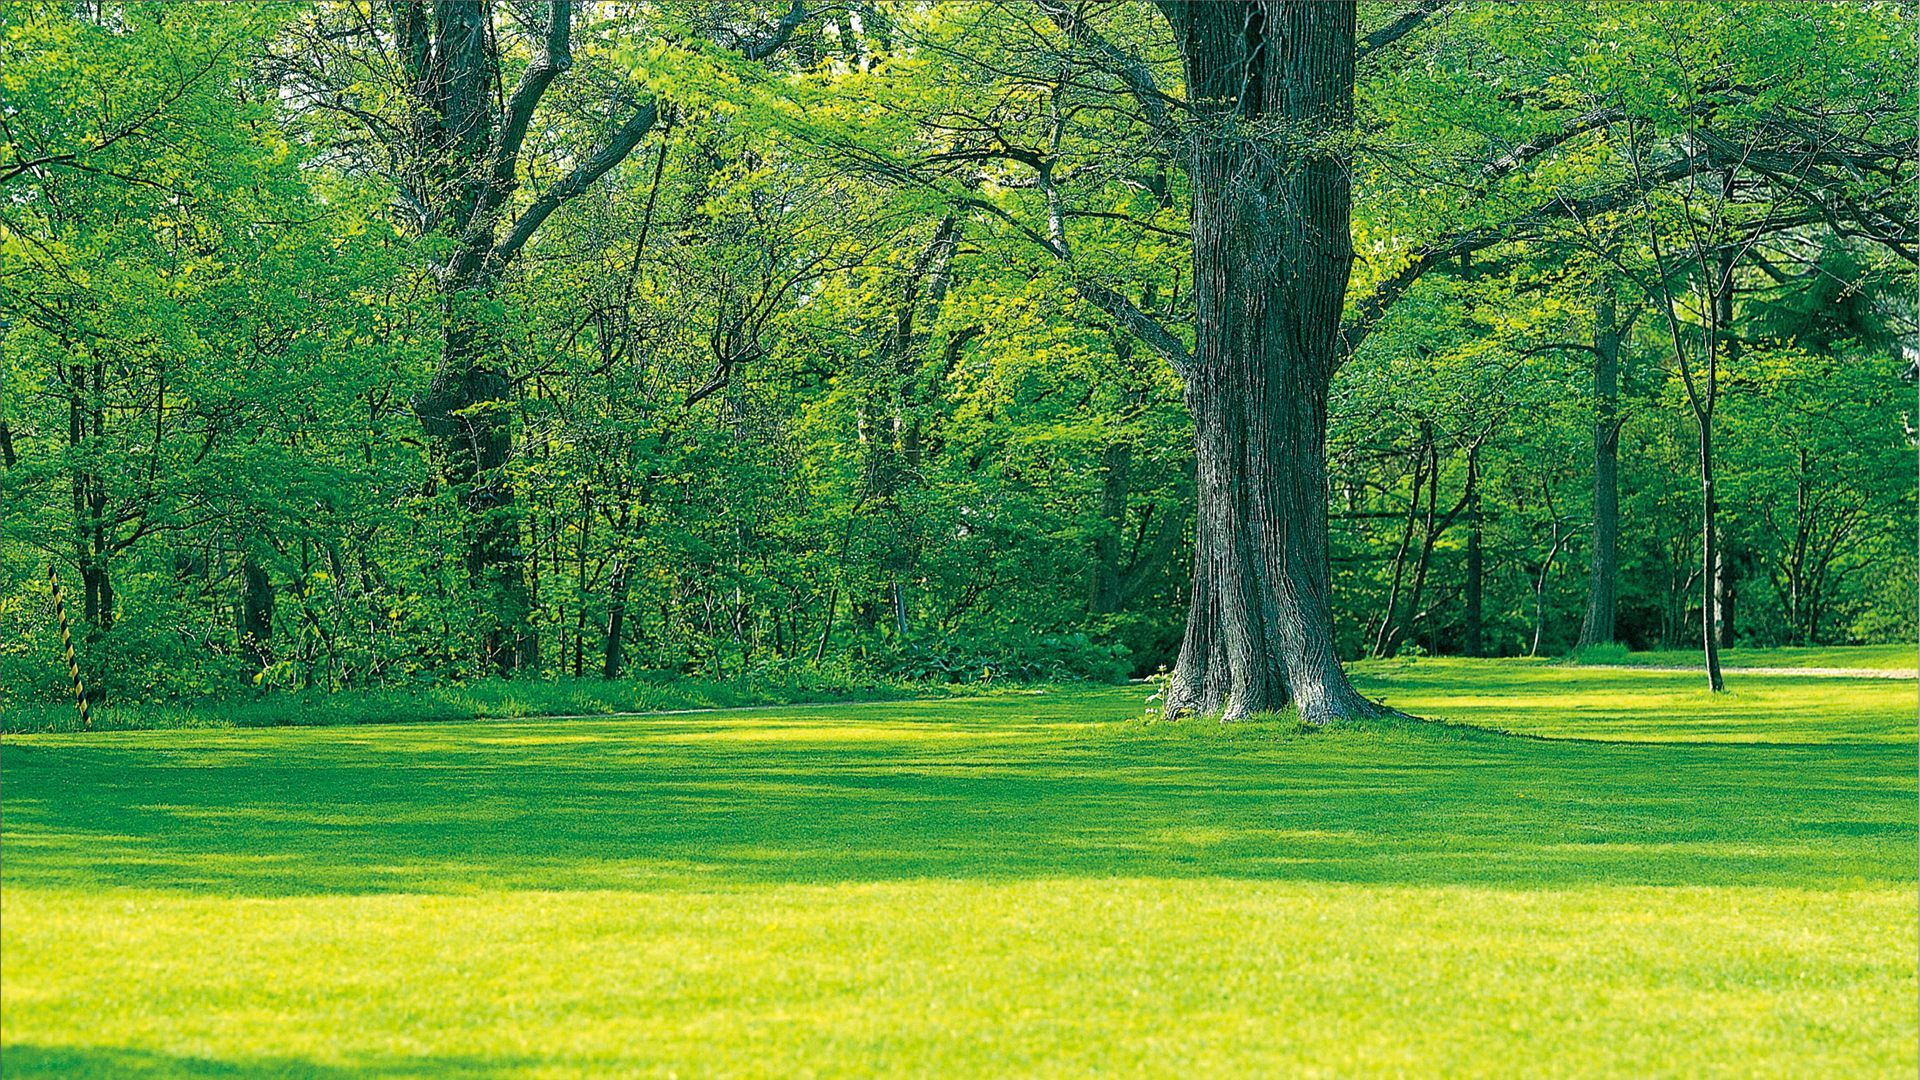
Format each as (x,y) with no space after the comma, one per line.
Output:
(1537,698)
(1031,883)
(1872,657)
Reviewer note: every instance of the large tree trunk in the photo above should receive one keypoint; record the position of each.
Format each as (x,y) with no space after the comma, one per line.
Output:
(256,607)
(1597,627)
(1273,84)
(611,659)
(465,411)
(465,135)
(455,72)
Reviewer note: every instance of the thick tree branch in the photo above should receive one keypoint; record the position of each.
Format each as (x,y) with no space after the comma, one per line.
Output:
(617,148)
(1397,29)
(1138,323)
(771,42)
(415,46)
(503,171)
(582,177)
(1368,311)
(556,58)
(1141,325)
(1132,72)
(1540,144)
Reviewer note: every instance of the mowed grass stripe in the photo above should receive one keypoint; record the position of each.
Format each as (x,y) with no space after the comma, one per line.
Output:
(1036,884)
(945,977)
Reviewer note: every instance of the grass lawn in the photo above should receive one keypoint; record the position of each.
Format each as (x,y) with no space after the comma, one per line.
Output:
(1655,883)
(1878,657)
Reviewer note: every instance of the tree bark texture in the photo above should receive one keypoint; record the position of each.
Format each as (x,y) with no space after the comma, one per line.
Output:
(465,139)
(1271,84)
(1476,589)
(256,607)
(454,73)
(1710,557)
(465,411)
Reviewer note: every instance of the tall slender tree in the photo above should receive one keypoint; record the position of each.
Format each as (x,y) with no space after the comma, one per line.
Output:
(1598,623)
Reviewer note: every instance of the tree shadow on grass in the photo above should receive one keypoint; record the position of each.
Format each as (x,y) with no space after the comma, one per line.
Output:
(126,1063)
(893,793)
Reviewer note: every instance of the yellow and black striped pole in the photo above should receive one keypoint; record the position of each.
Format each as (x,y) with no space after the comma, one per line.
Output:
(66,641)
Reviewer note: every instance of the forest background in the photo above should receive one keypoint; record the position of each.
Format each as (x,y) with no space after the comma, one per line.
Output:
(828,344)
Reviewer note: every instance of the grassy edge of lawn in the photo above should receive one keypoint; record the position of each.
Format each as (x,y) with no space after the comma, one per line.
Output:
(1899,657)
(654,692)
(651,694)
(491,699)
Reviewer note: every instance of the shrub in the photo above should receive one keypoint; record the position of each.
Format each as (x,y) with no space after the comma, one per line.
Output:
(1611,652)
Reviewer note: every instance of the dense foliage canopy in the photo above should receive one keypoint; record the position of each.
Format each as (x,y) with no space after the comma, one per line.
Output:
(371,343)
